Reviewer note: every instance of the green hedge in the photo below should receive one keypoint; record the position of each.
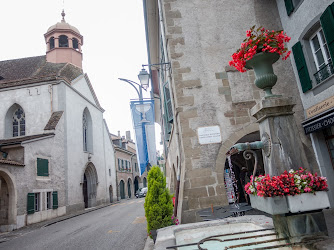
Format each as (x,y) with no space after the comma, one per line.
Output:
(158,202)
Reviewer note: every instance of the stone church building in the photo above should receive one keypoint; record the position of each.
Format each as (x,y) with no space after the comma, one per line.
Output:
(56,153)
(189,45)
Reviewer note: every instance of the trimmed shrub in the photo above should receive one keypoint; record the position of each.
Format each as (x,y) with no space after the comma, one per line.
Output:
(158,202)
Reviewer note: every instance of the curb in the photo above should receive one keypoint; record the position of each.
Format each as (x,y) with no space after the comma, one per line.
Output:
(80,213)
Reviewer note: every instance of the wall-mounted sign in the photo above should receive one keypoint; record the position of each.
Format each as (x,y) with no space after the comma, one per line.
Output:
(319,124)
(320,107)
(208,135)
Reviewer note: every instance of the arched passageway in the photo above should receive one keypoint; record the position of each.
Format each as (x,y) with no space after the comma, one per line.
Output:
(242,170)
(121,189)
(90,185)
(8,210)
(136,184)
(129,188)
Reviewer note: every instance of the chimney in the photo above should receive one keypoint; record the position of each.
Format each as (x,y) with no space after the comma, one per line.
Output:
(128,135)
(119,133)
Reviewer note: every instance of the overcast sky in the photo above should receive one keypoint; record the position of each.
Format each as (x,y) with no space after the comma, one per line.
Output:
(114,45)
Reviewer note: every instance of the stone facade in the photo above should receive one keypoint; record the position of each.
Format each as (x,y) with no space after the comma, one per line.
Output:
(128,175)
(198,39)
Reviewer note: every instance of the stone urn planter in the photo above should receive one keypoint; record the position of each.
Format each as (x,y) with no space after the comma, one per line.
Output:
(291,204)
(270,205)
(262,64)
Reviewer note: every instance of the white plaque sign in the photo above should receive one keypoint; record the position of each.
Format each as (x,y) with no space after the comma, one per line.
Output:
(208,135)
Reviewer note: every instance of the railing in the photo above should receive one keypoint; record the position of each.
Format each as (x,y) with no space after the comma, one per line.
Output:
(324,73)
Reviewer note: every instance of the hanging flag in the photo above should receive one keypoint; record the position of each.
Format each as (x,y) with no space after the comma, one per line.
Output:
(143,124)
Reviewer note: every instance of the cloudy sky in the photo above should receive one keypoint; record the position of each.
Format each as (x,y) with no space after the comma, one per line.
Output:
(114,44)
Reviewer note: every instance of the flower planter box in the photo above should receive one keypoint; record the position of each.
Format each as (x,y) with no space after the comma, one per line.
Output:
(308,202)
(270,205)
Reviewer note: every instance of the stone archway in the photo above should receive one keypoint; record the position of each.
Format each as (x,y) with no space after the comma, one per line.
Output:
(129,188)
(144,182)
(136,184)
(8,199)
(122,189)
(90,182)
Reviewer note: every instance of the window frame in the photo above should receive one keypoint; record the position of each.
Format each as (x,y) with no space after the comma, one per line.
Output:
(48,200)
(322,49)
(20,131)
(37,202)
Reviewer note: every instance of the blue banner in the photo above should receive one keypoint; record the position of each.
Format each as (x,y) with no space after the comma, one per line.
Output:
(143,124)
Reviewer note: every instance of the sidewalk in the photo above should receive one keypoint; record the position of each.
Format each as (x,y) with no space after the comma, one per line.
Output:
(24,230)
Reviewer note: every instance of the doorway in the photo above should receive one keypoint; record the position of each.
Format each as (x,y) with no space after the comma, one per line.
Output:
(121,188)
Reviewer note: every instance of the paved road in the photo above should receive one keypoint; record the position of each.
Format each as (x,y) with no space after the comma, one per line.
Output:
(119,226)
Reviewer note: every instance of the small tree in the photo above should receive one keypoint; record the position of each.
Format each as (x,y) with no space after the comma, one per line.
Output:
(158,202)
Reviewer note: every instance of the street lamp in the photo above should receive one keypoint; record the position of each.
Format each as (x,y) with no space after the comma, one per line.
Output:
(144,78)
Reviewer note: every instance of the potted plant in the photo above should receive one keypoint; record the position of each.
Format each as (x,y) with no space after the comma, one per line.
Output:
(259,51)
(293,191)
(158,202)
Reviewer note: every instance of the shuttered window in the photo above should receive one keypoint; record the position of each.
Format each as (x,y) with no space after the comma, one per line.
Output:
(327,24)
(31,203)
(42,167)
(303,73)
(289,6)
(54,199)
(168,102)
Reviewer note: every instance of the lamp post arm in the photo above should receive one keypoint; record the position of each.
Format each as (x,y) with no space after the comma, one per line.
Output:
(140,95)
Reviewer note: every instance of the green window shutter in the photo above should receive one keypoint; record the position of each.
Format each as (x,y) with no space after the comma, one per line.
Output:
(168,102)
(289,6)
(31,203)
(327,24)
(54,199)
(42,167)
(303,74)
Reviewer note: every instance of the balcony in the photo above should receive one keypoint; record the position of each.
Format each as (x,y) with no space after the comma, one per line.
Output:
(324,73)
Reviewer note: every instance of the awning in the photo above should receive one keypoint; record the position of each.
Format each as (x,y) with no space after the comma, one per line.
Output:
(319,122)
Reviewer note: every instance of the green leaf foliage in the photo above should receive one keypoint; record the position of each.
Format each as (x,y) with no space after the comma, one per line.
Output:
(158,202)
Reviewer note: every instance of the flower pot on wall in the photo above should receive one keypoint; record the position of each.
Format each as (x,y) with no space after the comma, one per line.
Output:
(262,64)
(270,205)
(308,202)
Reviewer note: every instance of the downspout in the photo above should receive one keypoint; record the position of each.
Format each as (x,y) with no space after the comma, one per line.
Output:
(177,194)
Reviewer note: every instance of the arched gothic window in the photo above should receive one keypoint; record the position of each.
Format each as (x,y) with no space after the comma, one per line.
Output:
(75,44)
(19,124)
(87,133)
(52,43)
(63,41)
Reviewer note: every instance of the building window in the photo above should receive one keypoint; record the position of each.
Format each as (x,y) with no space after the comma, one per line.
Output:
(42,167)
(52,43)
(85,131)
(75,44)
(122,164)
(291,6)
(320,49)
(19,122)
(314,54)
(119,164)
(37,202)
(48,200)
(329,137)
(63,41)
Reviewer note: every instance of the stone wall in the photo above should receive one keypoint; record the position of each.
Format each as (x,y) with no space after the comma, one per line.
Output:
(201,37)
